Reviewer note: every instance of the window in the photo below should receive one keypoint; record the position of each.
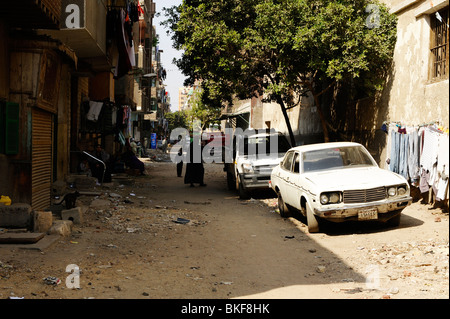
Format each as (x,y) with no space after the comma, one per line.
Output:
(439,44)
(287,163)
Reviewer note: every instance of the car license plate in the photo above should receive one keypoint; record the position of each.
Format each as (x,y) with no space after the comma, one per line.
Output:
(368,214)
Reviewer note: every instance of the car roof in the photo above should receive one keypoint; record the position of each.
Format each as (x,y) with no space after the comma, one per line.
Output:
(319,146)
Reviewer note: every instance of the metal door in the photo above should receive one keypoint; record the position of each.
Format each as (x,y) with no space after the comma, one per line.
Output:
(42,159)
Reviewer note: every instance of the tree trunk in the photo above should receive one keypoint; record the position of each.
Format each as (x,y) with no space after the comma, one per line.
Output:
(322,119)
(319,110)
(288,123)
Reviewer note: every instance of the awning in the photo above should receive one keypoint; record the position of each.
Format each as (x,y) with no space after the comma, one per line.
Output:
(227,116)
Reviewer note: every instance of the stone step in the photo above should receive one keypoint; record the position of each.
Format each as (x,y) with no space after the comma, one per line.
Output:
(20,238)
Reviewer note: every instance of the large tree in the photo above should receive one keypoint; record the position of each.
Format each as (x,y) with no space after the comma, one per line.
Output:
(282,49)
(199,111)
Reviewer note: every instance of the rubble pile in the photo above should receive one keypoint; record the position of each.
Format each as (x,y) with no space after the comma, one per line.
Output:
(124,211)
(421,266)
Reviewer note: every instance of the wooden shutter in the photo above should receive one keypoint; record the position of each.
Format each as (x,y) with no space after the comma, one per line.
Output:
(42,159)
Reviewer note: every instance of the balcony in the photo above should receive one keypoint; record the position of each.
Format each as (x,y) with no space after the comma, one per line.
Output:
(83,29)
(32,14)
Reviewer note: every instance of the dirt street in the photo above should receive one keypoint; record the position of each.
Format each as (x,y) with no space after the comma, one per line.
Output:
(161,239)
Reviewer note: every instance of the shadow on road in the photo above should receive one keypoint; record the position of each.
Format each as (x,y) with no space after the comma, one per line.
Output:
(354,227)
(247,245)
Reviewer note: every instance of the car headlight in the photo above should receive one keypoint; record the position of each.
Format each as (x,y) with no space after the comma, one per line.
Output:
(330,198)
(392,191)
(247,168)
(401,190)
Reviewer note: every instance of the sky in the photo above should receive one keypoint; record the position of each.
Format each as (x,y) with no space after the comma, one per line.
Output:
(175,78)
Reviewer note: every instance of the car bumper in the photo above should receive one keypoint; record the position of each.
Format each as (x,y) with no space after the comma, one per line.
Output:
(381,211)
(255,181)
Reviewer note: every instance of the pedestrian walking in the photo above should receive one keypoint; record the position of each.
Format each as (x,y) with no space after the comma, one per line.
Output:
(195,171)
(180,163)
(164,145)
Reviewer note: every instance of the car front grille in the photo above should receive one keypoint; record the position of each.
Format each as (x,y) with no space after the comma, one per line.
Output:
(264,169)
(364,195)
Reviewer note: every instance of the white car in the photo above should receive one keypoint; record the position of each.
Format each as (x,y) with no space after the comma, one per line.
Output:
(338,182)
(251,169)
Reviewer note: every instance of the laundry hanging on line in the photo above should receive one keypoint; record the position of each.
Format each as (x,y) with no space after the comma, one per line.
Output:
(420,154)
(94,110)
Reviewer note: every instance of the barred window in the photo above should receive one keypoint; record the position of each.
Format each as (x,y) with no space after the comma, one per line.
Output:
(439,45)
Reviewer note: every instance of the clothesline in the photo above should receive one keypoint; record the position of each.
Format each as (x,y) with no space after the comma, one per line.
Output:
(436,124)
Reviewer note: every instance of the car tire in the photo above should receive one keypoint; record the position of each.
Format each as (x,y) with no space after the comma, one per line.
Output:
(230,182)
(313,223)
(282,207)
(243,194)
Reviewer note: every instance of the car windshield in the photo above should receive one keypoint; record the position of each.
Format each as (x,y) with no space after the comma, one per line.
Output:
(261,144)
(335,158)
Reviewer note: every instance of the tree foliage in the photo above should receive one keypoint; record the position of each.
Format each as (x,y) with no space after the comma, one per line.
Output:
(282,49)
(177,119)
(200,111)
(197,111)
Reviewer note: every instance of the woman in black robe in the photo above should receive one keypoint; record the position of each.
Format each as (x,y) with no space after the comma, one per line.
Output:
(194,169)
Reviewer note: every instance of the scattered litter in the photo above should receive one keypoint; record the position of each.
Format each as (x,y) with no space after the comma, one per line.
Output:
(289,237)
(52,280)
(352,290)
(114,195)
(2,265)
(12,297)
(348,280)
(393,291)
(132,230)
(197,203)
(181,221)
(320,269)
(73,242)
(226,282)
(104,266)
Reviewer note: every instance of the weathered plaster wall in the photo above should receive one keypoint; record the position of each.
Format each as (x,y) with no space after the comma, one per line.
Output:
(415,99)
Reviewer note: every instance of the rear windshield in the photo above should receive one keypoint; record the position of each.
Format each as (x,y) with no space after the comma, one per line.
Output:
(262,145)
